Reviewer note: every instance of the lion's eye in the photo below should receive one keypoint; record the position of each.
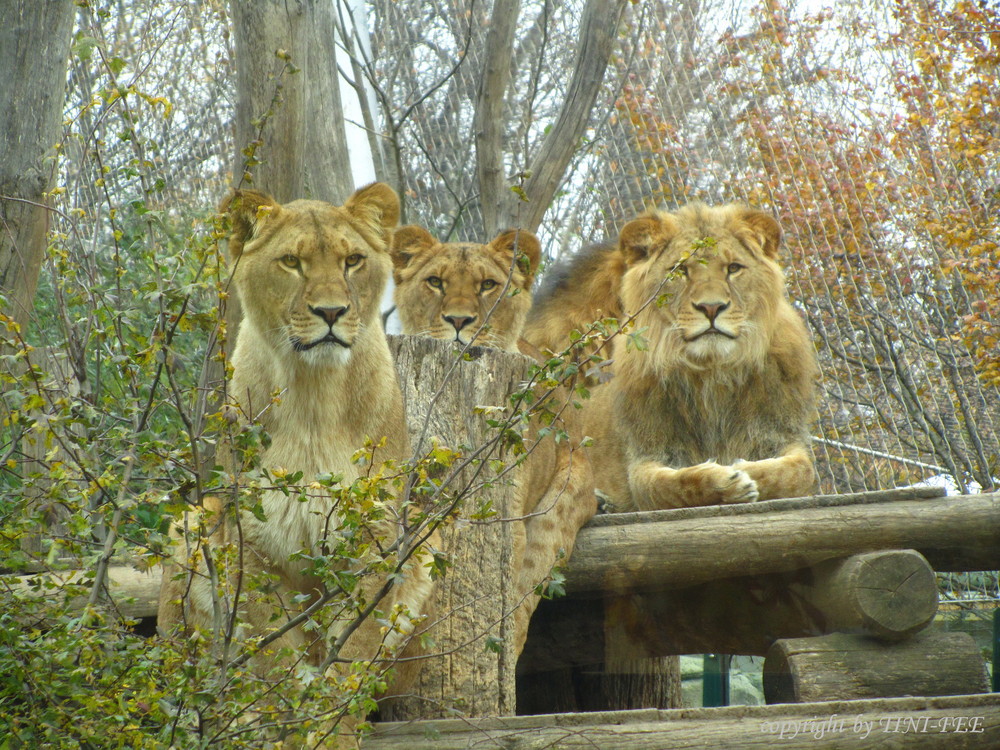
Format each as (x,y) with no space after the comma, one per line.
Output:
(487,284)
(291,261)
(353,260)
(734,268)
(434,281)
(682,271)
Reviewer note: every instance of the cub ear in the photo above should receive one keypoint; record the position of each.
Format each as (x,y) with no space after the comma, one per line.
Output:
(528,248)
(766,229)
(376,206)
(409,241)
(640,236)
(247,209)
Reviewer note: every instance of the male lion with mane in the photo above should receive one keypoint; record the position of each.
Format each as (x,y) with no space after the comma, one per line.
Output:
(715,407)
(310,276)
(480,294)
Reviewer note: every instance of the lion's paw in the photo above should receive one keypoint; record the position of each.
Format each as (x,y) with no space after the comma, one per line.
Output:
(739,487)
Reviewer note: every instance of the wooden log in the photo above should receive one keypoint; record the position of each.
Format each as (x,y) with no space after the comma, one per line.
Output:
(472,663)
(889,595)
(131,593)
(843,667)
(958,723)
(667,549)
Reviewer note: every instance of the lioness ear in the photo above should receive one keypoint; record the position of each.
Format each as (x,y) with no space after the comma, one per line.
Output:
(409,241)
(527,246)
(247,211)
(638,238)
(766,228)
(376,206)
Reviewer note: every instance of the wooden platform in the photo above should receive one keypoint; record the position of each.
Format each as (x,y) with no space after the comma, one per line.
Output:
(955,723)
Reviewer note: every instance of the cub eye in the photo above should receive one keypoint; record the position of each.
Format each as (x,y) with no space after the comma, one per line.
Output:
(434,281)
(487,284)
(734,268)
(290,261)
(353,260)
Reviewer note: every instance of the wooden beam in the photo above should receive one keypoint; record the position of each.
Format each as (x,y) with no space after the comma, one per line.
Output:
(964,722)
(674,549)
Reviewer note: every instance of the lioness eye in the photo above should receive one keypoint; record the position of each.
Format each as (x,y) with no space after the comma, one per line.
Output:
(734,268)
(290,261)
(353,260)
(434,281)
(682,271)
(487,285)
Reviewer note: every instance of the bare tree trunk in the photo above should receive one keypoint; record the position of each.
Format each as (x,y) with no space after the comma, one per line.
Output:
(489,122)
(501,207)
(294,118)
(34,48)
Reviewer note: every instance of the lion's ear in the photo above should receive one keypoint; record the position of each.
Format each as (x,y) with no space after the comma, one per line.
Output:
(376,206)
(766,228)
(528,248)
(409,241)
(247,211)
(638,238)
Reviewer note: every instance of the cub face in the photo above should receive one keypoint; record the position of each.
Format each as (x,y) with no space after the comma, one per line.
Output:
(713,279)
(460,291)
(310,275)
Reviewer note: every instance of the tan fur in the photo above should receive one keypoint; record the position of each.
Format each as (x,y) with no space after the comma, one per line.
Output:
(716,407)
(310,276)
(572,296)
(463,291)
(557,491)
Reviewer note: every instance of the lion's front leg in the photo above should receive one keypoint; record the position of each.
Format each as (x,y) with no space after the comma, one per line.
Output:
(655,486)
(791,474)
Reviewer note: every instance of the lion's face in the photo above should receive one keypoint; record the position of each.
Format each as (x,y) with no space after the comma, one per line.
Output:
(310,275)
(706,282)
(460,291)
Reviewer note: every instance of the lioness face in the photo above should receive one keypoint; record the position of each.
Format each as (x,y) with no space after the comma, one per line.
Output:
(460,291)
(311,275)
(709,275)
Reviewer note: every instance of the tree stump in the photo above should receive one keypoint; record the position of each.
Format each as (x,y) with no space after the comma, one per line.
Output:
(470,667)
(847,667)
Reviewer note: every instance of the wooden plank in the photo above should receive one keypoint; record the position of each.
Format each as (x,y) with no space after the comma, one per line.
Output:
(955,533)
(960,722)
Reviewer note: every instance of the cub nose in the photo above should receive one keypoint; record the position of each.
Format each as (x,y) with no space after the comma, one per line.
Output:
(459,321)
(330,314)
(711,310)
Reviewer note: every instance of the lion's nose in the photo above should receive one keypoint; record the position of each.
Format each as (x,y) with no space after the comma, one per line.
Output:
(459,321)
(711,310)
(330,314)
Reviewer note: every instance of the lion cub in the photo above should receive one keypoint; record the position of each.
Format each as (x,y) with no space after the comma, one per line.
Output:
(480,294)
(312,366)
(715,407)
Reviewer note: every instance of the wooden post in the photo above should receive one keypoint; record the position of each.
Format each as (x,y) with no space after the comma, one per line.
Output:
(470,667)
(845,667)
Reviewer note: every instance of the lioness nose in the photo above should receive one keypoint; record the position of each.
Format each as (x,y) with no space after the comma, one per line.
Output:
(711,310)
(459,321)
(330,314)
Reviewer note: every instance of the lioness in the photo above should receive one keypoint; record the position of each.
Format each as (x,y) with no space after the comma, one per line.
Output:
(715,407)
(311,365)
(480,294)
